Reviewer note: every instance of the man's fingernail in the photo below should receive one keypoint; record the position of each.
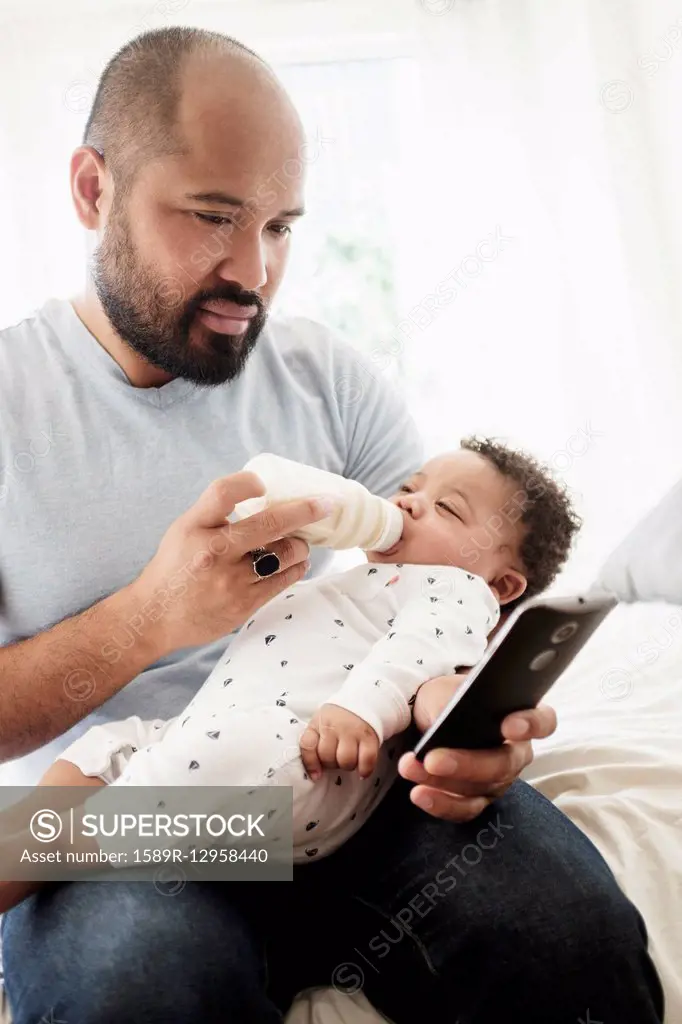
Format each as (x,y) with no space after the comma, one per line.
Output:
(521,728)
(424,801)
(327,504)
(447,764)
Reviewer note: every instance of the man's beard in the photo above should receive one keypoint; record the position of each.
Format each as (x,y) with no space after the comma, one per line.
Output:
(152,318)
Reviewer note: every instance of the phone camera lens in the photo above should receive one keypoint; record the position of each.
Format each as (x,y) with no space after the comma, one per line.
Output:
(564,632)
(541,661)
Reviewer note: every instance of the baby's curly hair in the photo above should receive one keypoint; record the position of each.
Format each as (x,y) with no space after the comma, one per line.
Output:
(546,511)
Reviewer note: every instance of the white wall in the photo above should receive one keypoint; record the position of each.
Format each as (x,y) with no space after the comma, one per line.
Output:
(51,55)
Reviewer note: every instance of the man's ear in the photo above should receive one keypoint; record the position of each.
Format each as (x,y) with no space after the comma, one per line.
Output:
(88,179)
(510,585)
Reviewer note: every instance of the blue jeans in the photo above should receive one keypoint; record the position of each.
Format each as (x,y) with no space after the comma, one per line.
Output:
(514,916)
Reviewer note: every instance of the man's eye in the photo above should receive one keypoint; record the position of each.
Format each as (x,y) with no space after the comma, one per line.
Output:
(281,229)
(212,218)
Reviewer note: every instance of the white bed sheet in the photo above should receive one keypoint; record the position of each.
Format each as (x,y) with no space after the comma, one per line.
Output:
(614,767)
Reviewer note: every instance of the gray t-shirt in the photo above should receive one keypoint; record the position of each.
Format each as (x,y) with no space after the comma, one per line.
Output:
(93,471)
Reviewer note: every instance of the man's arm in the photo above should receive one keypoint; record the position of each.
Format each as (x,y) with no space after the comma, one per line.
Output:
(55,679)
(199,586)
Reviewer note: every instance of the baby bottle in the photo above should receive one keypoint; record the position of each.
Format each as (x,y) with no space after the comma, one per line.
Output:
(362,520)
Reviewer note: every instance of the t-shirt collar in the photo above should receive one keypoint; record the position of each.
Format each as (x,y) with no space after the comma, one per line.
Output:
(76,336)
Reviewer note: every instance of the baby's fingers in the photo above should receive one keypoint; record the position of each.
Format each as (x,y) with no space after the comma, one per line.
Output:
(308,744)
(347,752)
(326,748)
(367,758)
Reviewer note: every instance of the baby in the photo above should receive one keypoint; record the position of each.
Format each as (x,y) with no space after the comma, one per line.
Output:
(316,690)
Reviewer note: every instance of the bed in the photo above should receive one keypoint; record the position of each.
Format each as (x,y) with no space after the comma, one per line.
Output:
(614,767)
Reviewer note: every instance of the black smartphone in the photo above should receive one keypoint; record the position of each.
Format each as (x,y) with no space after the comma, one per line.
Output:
(526,657)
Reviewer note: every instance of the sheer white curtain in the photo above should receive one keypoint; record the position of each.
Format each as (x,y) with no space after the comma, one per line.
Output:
(546,125)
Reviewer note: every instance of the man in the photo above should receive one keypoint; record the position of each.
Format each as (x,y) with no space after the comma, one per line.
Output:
(154,388)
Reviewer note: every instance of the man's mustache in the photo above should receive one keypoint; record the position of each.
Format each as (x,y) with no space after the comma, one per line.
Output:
(238,296)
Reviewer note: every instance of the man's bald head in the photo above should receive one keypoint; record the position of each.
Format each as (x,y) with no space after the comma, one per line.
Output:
(134,116)
(194,202)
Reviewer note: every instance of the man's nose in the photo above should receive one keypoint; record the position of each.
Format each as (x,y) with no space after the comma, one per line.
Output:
(246,263)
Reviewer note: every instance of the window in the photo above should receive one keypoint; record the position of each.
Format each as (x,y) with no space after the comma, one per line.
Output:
(347,262)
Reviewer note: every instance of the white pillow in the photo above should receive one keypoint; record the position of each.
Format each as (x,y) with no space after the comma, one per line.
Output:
(647,565)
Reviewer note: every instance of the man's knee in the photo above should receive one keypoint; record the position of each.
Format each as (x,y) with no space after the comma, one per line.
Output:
(577,929)
(113,951)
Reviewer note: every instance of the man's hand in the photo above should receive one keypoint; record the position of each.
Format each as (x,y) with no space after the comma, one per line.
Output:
(198,587)
(458,785)
(200,584)
(336,738)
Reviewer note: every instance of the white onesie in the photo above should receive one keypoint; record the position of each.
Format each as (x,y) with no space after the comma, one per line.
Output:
(364,639)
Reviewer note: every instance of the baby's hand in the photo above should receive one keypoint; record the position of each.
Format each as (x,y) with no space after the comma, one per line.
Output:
(336,738)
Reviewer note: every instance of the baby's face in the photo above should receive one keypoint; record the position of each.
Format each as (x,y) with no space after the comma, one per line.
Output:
(459,510)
